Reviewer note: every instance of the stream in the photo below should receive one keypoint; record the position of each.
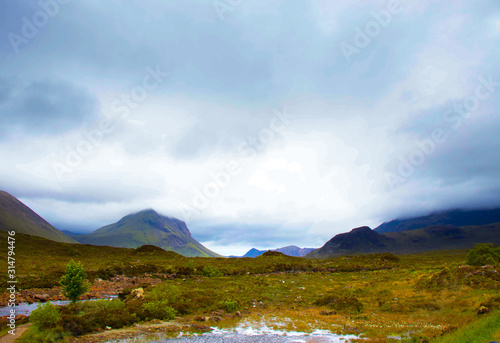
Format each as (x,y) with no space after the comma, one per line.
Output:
(26,309)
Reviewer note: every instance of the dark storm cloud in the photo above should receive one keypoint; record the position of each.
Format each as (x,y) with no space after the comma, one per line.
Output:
(46,107)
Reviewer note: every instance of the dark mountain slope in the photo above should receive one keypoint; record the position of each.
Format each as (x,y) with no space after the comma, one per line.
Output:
(364,240)
(16,216)
(455,218)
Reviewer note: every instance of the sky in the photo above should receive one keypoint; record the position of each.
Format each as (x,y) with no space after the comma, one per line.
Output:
(259,123)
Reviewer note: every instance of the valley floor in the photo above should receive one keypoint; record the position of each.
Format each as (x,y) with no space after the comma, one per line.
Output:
(411,297)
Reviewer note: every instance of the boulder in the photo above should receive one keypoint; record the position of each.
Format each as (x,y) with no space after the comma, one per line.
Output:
(138,293)
(41,297)
(483,310)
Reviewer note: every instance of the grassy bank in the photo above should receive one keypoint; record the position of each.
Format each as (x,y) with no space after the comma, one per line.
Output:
(486,329)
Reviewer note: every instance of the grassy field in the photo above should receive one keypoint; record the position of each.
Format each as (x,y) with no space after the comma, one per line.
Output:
(416,297)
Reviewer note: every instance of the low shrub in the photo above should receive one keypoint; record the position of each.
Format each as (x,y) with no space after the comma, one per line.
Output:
(210,271)
(185,271)
(491,303)
(89,316)
(229,305)
(164,291)
(35,334)
(483,254)
(341,303)
(46,316)
(158,310)
(101,305)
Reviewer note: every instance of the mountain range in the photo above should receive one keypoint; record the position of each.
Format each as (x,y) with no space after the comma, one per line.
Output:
(291,250)
(453,217)
(457,229)
(132,231)
(444,237)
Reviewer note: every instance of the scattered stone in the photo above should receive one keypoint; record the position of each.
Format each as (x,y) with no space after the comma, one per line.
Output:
(351,330)
(483,310)
(201,327)
(327,313)
(200,319)
(448,329)
(173,328)
(42,297)
(19,317)
(215,319)
(237,314)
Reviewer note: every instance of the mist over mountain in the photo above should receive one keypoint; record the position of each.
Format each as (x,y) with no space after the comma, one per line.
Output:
(364,240)
(454,217)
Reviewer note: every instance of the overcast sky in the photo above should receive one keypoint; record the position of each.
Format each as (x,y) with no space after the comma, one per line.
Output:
(259,123)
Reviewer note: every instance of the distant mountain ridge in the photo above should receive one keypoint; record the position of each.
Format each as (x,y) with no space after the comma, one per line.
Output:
(16,216)
(70,233)
(454,217)
(364,240)
(148,227)
(291,250)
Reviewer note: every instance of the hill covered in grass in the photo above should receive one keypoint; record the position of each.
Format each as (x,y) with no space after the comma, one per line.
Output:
(16,216)
(148,227)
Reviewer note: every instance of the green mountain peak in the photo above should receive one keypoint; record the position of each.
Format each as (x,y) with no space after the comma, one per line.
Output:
(148,227)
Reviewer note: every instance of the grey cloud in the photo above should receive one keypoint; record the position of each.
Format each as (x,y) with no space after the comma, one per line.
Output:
(47,107)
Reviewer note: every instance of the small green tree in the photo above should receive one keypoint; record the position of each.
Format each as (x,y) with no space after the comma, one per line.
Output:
(483,254)
(74,281)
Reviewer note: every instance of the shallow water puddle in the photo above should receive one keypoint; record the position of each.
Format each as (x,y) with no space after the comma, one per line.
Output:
(245,332)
